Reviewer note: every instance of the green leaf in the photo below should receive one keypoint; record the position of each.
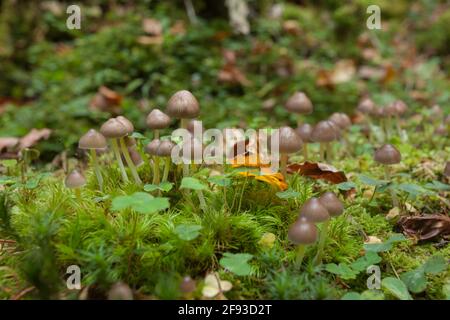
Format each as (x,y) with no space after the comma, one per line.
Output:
(137,135)
(221,181)
(192,183)
(446,290)
(9,163)
(435,264)
(342,270)
(372,295)
(351,296)
(413,189)
(361,264)
(288,194)
(415,280)
(385,246)
(237,263)
(188,232)
(140,202)
(396,287)
(437,185)
(371,181)
(348,185)
(163,186)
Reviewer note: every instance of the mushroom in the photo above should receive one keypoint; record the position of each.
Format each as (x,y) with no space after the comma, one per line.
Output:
(120,291)
(388,155)
(366,106)
(75,180)
(299,103)
(152,149)
(113,129)
(123,146)
(187,286)
(157,120)
(289,142)
(314,211)
(304,131)
(324,132)
(335,208)
(302,233)
(165,150)
(93,141)
(183,105)
(343,122)
(135,157)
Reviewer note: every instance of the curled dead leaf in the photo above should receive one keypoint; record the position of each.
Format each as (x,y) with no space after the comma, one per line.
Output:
(426,227)
(230,73)
(106,100)
(318,171)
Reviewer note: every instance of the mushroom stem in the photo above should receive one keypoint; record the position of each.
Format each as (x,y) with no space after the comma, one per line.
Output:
(156,170)
(166,169)
(201,198)
(329,151)
(156,134)
(283,163)
(322,152)
(116,151)
(184,125)
(129,161)
(322,240)
(299,120)
(97,169)
(387,176)
(301,248)
(305,151)
(78,195)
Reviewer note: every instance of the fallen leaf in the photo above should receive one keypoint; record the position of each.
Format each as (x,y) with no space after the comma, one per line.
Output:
(274,179)
(318,171)
(8,143)
(179,28)
(372,240)
(426,227)
(214,285)
(152,27)
(230,73)
(393,213)
(106,100)
(33,137)
(343,71)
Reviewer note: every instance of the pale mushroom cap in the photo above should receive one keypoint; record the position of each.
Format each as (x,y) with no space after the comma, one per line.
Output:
(366,106)
(314,211)
(447,169)
(332,203)
(341,119)
(120,291)
(290,141)
(74,180)
(299,103)
(127,123)
(152,147)
(324,131)
(304,131)
(303,231)
(165,148)
(113,128)
(183,105)
(92,140)
(157,120)
(387,154)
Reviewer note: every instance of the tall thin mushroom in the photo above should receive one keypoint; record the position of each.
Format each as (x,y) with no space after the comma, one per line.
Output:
(93,141)
(324,132)
(388,155)
(304,131)
(157,120)
(302,233)
(165,150)
(300,104)
(123,145)
(290,142)
(75,180)
(152,149)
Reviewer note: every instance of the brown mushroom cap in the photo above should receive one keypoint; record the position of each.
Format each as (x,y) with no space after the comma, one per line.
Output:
(152,147)
(290,141)
(314,211)
(447,169)
(192,124)
(341,119)
(74,180)
(332,203)
(304,131)
(127,123)
(303,231)
(120,291)
(165,148)
(390,110)
(113,128)
(92,140)
(157,120)
(299,103)
(188,285)
(325,131)
(366,106)
(400,107)
(183,105)
(387,154)
(135,157)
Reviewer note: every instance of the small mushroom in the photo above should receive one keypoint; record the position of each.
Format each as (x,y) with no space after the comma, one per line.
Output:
(300,104)
(441,130)
(152,149)
(157,120)
(75,180)
(304,131)
(324,132)
(113,129)
(93,141)
(302,233)
(187,286)
(120,291)
(183,105)
(314,211)
(388,155)
(123,146)
(332,203)
(289,142)
(366,106)
(165,150)
(341,119)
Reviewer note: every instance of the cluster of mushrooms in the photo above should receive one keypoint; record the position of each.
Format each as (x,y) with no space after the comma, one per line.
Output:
(304,232)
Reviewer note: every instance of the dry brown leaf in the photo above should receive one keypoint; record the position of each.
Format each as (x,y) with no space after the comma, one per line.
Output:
(230,73)
(150,40)
(106,100)
(426,227)
(33,137)
(179,28)
(152,27)
(318,171)
(8,143)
